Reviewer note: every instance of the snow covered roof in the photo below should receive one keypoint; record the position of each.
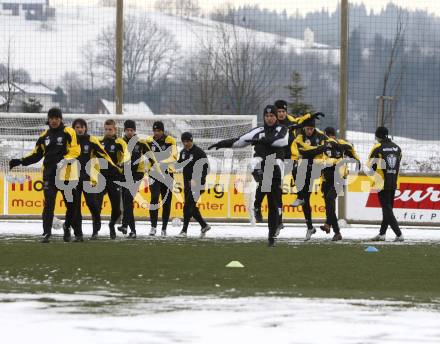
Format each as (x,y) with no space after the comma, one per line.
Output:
(140,108)
(23,2)
(34,88)
(2,100)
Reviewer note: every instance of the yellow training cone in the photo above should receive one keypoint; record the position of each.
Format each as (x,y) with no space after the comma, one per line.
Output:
(234,264)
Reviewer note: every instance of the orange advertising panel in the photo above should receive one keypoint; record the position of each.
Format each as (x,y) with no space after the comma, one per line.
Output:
(224,198)
(240,201)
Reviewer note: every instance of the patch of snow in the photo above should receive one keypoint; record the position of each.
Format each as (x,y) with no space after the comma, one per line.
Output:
(28,318)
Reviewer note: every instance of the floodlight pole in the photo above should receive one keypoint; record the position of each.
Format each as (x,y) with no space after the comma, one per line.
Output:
(119,91)
(343,90)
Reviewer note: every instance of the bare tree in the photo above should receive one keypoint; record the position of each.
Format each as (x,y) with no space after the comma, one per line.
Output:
(73,85)
(149,52)
(8,80)
(394,74)
(89,65)
(164,6)
(231,73)
(204,89)
(107,3)
(247,69)
(182,8)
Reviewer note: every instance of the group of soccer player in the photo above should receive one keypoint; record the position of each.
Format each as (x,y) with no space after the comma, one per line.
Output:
(113,166)
(116,166)
(292,144)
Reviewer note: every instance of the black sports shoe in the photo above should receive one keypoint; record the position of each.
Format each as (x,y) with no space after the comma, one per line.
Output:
(112,232)
(258,216)
(204,230)
(271,243)
(94,236)
(45,239)
(122,229)
(78,238)
(325,228)
(67,235)
(132,235)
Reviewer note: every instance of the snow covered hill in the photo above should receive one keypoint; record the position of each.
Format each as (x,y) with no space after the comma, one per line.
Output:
(48,50)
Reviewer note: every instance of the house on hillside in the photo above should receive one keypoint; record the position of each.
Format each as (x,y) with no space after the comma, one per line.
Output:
(108,107)
(30,9)
(20,93)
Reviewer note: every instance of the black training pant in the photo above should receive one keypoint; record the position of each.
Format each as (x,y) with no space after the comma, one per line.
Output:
(294,171)
(305,194)
(158,189)
(92,201)
(330,195)
(190,209)
(114,194)
(386,199)
(274,200)
(127,203)
(50,192)
(259,197)
(128,215)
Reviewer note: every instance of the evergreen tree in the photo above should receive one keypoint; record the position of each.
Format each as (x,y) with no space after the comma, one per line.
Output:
(32,105)
(60,97)
(296,89)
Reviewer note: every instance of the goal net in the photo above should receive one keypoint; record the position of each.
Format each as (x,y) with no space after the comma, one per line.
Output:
(19,132)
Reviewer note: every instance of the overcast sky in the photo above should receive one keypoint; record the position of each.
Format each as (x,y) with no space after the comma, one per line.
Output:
(291,6)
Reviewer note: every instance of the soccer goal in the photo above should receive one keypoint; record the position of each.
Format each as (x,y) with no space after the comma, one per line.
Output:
(19,132)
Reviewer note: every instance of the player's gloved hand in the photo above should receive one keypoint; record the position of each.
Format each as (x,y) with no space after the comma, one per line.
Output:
(222,144)
(14,163)
(316,115)
(330,145)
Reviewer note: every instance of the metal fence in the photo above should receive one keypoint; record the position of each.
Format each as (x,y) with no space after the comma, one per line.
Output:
(211,57)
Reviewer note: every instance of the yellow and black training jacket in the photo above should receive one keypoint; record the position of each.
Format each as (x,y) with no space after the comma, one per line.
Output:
(116,148)
(55,145)
(384,159)
(164,153)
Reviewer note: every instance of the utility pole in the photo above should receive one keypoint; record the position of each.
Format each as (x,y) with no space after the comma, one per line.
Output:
(343,89)
(119,56)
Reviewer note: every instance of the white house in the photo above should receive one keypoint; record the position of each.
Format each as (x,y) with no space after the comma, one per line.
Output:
(30,9)
(108,107)
(20,93)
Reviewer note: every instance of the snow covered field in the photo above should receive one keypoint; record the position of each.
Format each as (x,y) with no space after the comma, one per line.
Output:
(236,231)
(110,318)
(50,318)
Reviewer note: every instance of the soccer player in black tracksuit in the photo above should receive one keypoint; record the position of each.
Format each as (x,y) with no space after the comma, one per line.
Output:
(269,142)
(334,154)
(384,159)
(54,144)
(311,144)
(164,150)
(116,148)
(194,180)
(136,165)
(291,123)
(90,148)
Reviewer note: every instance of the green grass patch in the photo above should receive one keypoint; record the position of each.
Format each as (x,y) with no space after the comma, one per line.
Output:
(152,268)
